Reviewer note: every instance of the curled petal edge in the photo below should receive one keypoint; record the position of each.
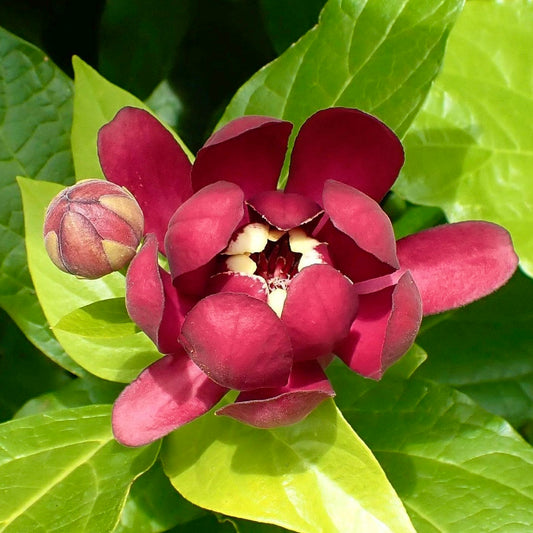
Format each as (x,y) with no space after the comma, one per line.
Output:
(308,387)
(385,328)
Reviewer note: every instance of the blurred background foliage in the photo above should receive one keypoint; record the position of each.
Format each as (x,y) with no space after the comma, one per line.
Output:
(187,56)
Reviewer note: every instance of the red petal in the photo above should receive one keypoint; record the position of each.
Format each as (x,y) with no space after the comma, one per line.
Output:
(248,151)
(308,386)
(346,145)
(152,301)
(137,152)
(386,326)
(238,341)
(284,210)
(351,260)
(254,286)
(455,264)
(202,226)
(318,311)
(361,218)
(169,393)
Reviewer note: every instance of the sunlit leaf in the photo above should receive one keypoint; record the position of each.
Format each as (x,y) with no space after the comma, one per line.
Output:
(96,102)
(64,472)
(455,466)
(470,150)
(313,476)
(377,56)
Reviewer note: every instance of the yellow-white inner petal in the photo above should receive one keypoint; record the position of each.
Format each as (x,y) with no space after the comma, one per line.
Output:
(252,238)
(275,235)
(276,300)
(312,257)
(241,263)
(300,242)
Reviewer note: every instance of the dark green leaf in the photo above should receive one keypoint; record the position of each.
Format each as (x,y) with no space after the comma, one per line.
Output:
(64,472)
(80,392)
(380,57)
(470,150)
(286,21)
(486,350)
(153,505)
(24,371)
(35,118)
(455,466)
(139,41)
(416,218)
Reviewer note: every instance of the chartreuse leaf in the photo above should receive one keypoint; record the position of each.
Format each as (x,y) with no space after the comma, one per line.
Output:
(455,466)
(35,118)
(377,56)
(117,358)
(102,319)
(64,472)
(470,150)
(96,102)
(486,350)
(313,476)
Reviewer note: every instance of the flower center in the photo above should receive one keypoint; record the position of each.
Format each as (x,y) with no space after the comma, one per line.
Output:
(276,256)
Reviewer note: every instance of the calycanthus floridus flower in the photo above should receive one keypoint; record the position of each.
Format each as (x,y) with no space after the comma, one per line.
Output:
(266,285)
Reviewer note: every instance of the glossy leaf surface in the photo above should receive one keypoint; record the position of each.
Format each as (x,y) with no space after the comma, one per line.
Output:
(470,150)
(314,476)
(455,466)
(36,113)
(64,472)
(378,57)
(486,350)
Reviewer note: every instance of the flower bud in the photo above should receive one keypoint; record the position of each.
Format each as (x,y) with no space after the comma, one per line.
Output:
(93,228)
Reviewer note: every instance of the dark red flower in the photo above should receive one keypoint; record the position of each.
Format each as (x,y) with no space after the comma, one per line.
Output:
(265,285)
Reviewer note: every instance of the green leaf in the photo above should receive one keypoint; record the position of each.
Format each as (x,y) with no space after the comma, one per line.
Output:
(102,319)
(96,102)
(377,56)
(153,505)
(35,115)
(416,218)
(406,366)
(119,358)
(79,392)
(286,21)
(24,372)
(313,476)
(486,350)
(470,150)
(139,41)
(167,104)
(455,466)
(64,472)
